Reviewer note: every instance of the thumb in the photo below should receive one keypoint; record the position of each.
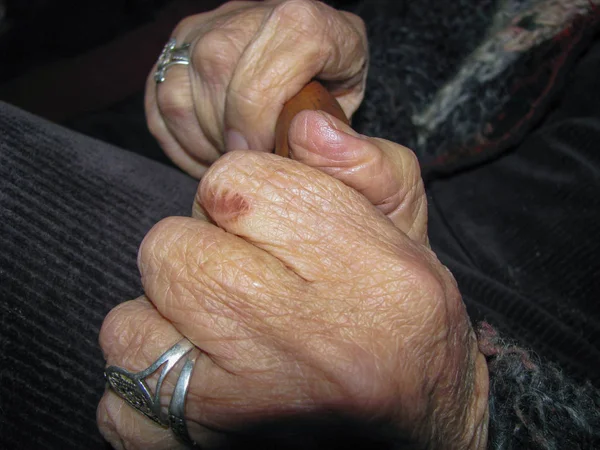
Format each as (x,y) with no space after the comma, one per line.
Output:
(387,174)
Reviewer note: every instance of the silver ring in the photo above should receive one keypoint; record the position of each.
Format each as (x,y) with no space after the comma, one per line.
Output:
(132,387)
(170,56)
(177,405)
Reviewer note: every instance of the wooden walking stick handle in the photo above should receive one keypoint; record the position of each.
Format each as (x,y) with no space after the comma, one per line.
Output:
(313,96)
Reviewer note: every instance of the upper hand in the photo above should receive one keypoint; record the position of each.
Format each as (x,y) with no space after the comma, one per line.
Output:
(247,60)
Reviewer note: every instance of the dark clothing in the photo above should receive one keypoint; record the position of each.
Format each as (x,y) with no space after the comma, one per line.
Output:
(74,211)
(520,233)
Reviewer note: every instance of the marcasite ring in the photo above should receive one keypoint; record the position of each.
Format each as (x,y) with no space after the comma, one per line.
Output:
(133,388)
(170,56)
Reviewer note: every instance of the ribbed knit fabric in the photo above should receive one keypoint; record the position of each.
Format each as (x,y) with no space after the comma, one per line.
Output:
(73,212)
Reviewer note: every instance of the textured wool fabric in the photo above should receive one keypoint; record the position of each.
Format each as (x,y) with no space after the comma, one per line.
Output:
(465,80)
(532,404)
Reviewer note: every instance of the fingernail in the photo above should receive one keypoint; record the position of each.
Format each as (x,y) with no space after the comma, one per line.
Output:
(234,140)
(339,140)
(337,124)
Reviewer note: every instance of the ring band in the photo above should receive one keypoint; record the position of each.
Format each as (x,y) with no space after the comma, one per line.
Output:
(170,56)
(177,406)
(132,387)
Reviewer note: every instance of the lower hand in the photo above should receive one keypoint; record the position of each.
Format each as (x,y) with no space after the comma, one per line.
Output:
(304,291)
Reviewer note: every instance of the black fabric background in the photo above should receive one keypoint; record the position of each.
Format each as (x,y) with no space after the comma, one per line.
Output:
(73,212)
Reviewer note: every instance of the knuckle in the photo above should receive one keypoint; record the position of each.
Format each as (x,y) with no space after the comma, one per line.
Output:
(131,334)
(214,56)
(428,283)
(411,162)
(183,25)
(430,294)
(118,331)
(231,165)
(357,45)
(174,99)
(302,16)
(414,190)
(357,40)
(146,340)
(187,24)
(159,241)
(420,282)
(357,22)
(410,169)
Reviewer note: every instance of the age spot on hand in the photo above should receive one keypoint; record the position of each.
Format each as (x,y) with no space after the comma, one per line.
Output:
(226,206)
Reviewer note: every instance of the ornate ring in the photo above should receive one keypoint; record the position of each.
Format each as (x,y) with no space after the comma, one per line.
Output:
(170,56)
(133,388)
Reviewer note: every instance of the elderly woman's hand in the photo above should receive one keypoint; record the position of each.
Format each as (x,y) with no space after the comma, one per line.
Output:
(247,60)
(303,296)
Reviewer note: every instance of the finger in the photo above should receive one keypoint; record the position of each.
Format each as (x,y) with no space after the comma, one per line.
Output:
(244,309)
(300,39)
(176,116)
(168,142)
(125,428)
(191,98)
(350,92)
(387,174)
(241,307)
(133,336)
(216,50)
(217,289)
(312,222)
(176,103)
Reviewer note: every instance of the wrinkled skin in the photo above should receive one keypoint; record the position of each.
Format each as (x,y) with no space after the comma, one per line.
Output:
(302,295)
(247,60)
(305,284)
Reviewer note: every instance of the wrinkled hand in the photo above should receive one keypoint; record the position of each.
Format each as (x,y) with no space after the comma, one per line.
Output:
(304,291)
(247,60)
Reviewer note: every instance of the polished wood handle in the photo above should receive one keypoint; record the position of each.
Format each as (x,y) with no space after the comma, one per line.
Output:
(312,96)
